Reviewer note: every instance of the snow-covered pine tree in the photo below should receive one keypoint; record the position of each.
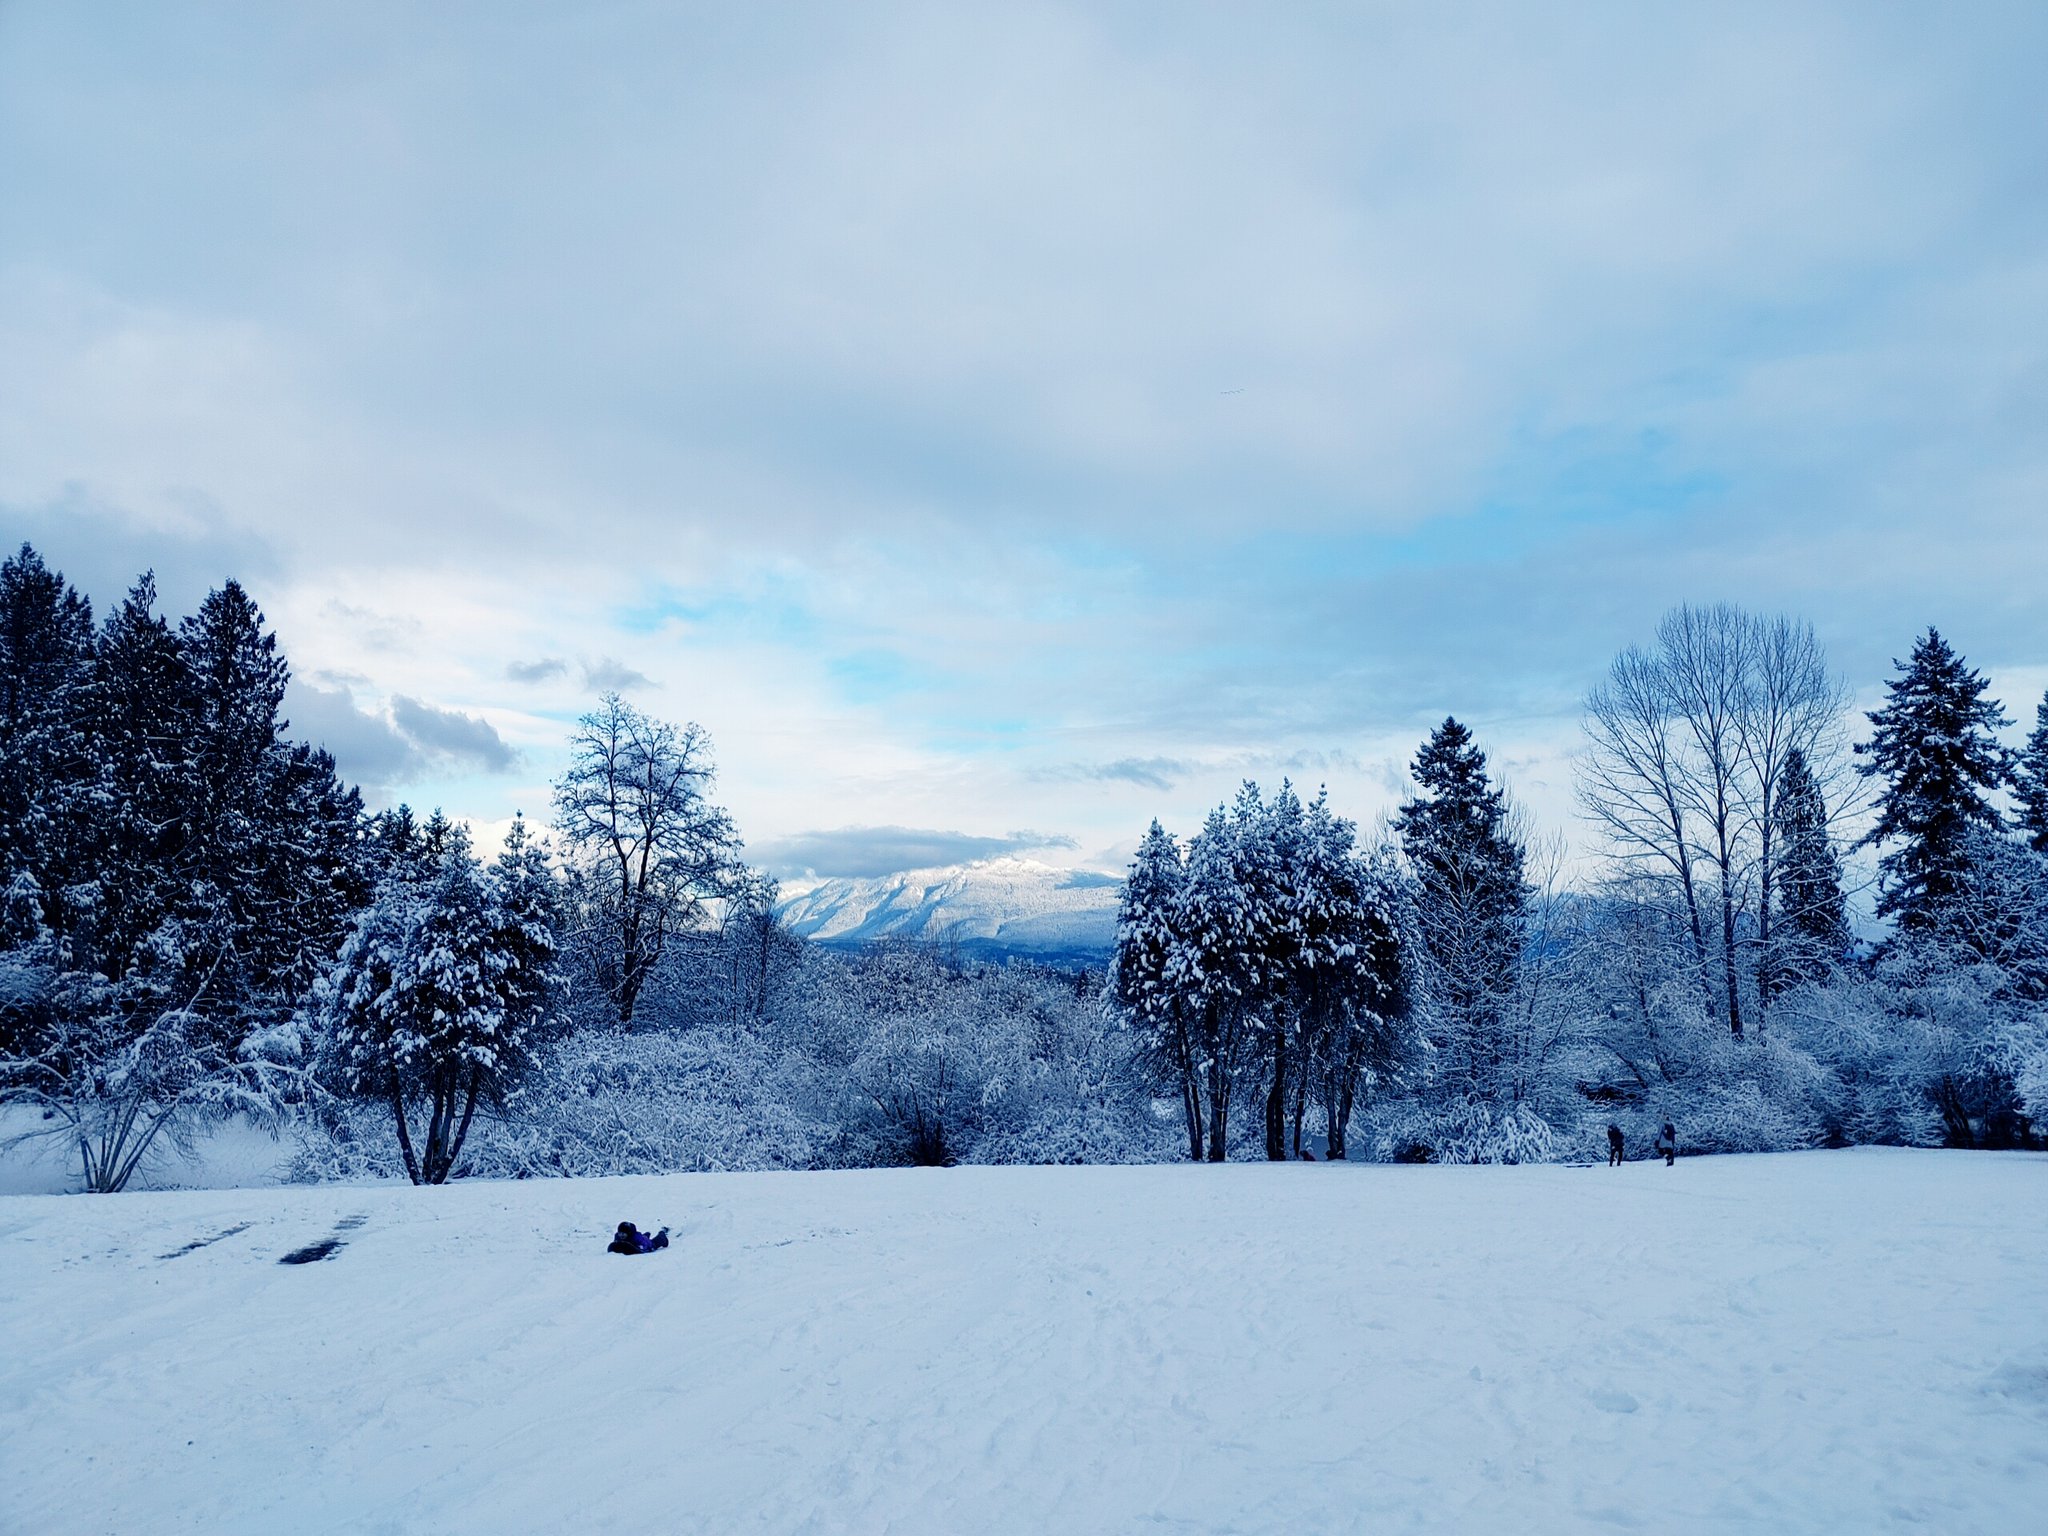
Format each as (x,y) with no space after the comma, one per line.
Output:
(1933,746)
(1470,897)
(2030,780)
(1810,934)
(193,872)
(45,758)
(526,897)
(1286,900)
(1216,965)
(140,711)
(1347,991)
(273,855)
(1141,976)
(440,997)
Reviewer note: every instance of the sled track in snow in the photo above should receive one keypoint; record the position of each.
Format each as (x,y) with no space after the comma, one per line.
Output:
(198,1243)
(328,1246)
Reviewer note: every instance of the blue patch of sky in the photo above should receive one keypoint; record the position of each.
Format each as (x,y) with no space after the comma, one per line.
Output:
(876,676)
(774,615)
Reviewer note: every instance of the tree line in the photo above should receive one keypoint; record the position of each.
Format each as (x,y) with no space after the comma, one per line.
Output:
(1706,971)
(199,920)
(197,916)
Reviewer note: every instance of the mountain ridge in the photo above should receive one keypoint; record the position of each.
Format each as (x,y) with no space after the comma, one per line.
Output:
(1008,905)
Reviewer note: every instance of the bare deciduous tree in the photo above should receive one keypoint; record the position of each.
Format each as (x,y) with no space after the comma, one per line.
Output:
(1794,704)
(1632,786)
(650,848)
(1687,745)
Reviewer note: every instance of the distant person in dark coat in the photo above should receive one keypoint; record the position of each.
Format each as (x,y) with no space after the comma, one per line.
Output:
(630,1239)
(1614,1146)
(1667,1143)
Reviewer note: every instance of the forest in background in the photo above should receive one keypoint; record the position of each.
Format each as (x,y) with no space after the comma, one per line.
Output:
(200,921)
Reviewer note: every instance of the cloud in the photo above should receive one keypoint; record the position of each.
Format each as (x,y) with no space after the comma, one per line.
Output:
(377,631)
(920,405)
(860,852)
(386,751)
(367,749)
(610,675)
(1147,772)
(1165,773)
(101,548)
(462,741)
(536,671)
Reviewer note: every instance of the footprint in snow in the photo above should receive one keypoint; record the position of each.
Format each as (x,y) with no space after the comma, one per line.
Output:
(1615,1402)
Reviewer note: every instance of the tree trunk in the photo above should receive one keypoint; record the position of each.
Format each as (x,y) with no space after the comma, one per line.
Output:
(1219,1109)
(405,1151)
(1728,950)
(1276,1097)
(1191,1101)
(433,1163)
(629,991)
(462,1130)
(1692,909)
(1766,888)
(1340,1117)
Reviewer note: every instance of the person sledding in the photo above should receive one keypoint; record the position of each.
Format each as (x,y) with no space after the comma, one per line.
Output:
(630,1239)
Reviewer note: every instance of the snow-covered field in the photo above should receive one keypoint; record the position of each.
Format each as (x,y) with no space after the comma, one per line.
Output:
(1839,1342)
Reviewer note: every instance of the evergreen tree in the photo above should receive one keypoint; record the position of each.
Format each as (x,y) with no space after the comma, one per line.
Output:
(1471,893)
(2030,780)
(527,897)
(1346,990)
(140,713)
(440,996)
(1216,964)
(1287,900)
(1811,932)
(45,758)
(238,682)
(1141,984)
(272,854)
(1933,745)
(176,874)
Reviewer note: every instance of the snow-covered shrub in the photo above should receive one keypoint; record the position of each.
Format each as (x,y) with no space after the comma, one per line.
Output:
(1416,1130)
(1066,1088)
(606,1102)
(1742,1116)
(115,1074)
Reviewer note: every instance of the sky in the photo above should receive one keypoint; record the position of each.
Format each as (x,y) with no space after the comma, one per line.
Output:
(999,425)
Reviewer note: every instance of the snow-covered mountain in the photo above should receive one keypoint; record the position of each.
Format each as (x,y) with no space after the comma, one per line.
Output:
(1007,905)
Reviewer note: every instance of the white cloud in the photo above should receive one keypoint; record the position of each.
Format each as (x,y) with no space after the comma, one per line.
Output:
(861,376)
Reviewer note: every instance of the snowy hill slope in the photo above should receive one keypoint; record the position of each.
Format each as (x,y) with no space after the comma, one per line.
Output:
(1007,905)
(1802,1343)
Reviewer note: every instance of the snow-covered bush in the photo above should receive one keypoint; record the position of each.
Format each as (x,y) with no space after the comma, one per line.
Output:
(606,1102)
(116,1073)
(1067,1089)
(1417,1130)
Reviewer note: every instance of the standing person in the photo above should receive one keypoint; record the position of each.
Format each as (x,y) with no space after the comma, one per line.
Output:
(1614,1146)
(1667,1143)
